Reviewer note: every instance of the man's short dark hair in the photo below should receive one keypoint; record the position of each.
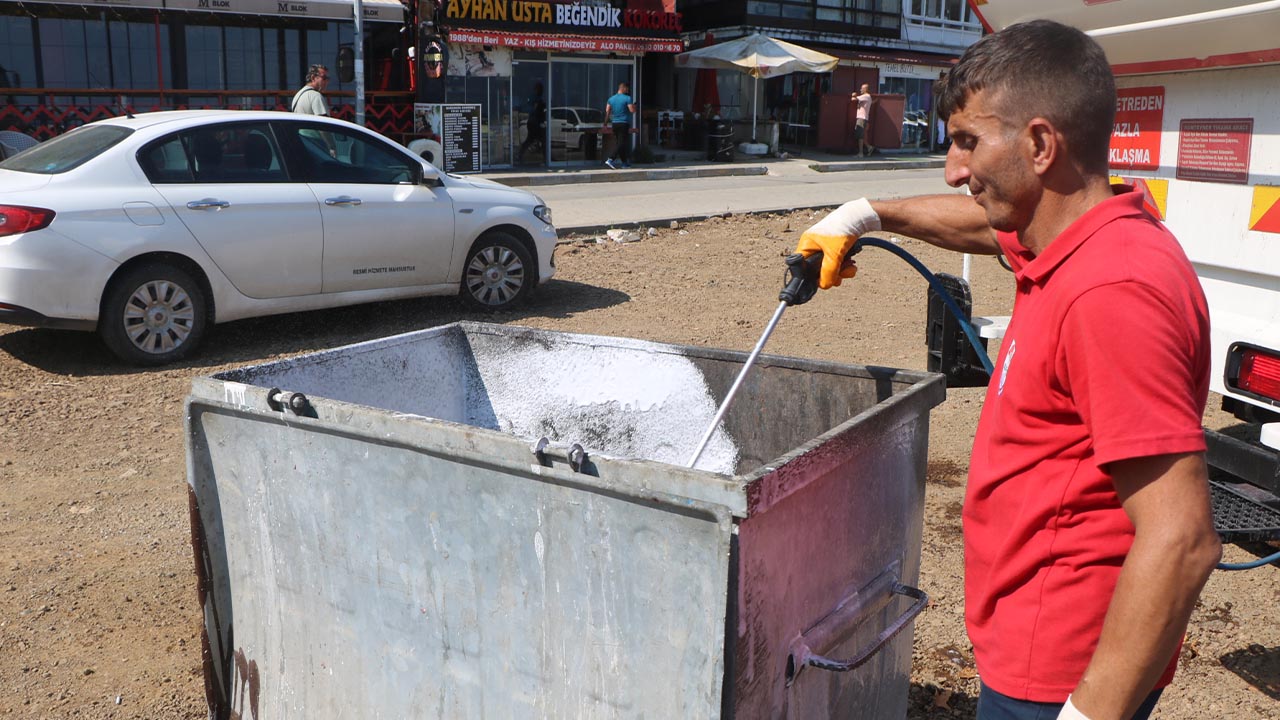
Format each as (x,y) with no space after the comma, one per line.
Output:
(1043,69)
(316,71)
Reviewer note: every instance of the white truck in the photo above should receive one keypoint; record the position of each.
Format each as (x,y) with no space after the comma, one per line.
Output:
(1198,130)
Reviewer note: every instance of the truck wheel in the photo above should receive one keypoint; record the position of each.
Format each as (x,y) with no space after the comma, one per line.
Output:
(499,272)
(153,314)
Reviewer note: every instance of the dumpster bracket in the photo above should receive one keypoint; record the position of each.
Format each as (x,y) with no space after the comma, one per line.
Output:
(574,454)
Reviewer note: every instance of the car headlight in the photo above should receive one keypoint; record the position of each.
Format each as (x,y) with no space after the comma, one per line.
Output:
(543,213)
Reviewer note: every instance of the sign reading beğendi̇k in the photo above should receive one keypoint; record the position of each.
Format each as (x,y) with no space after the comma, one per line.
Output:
(536,16)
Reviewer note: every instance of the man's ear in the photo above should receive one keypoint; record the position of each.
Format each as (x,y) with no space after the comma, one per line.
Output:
(1045,143)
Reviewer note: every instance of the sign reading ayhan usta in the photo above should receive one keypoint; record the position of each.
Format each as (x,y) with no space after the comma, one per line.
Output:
(530,12)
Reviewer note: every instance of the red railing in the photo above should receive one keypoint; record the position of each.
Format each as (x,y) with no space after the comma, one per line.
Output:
(46,112)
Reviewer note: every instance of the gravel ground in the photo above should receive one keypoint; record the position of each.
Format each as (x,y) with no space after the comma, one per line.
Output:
(98,613)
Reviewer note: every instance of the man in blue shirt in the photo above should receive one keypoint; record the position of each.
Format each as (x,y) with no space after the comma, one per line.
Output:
(619,109)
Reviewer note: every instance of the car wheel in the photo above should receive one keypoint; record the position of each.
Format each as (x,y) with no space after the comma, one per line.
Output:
(499,272)
(153,314)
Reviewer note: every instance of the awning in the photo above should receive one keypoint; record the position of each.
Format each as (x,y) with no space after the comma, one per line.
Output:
(1159,37)
(587,43)
(374,10)
(896,57)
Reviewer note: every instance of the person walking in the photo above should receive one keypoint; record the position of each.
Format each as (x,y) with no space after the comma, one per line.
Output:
(309,100)
(619,109)
(535,125)
(863,100)
(1088,533)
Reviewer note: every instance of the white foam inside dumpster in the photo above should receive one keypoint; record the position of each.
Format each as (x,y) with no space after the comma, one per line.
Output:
(627,399)
(633,402)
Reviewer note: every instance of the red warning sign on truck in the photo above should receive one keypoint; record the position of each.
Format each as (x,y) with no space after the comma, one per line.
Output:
(1135,138)
(1216,150)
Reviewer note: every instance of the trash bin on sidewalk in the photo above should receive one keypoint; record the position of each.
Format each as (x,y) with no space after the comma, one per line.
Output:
(482,521)
(720,145)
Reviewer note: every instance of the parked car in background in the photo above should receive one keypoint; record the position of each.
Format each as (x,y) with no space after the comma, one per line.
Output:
(576,127)
(149,229)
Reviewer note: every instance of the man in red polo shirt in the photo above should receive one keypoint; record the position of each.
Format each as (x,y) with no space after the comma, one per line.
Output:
(1088,529)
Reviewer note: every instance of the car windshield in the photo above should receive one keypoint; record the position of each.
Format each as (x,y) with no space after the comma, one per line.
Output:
(67,151)
(590,115)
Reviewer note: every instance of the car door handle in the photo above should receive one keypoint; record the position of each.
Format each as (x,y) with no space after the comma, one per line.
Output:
(208,204)
(343,200)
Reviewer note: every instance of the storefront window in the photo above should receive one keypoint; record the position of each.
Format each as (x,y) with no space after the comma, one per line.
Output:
(917,116)
(62,53)
(204,57)
(245,66)
(17,52)
(133,54)
(579,91)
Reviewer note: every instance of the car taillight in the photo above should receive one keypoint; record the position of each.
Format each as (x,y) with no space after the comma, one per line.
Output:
(1259,374)
(16,219)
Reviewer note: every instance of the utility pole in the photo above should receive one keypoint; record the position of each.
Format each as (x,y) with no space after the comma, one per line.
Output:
(359,62)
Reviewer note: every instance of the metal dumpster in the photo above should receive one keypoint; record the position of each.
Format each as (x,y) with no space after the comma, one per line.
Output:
(481,521)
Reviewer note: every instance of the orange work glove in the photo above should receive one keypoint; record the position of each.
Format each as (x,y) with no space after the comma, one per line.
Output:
(834,235)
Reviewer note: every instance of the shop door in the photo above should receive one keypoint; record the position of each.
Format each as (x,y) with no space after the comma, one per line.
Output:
(528,116)
(579,89)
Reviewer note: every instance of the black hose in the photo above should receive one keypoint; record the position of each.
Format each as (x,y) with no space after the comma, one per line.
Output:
(936,284)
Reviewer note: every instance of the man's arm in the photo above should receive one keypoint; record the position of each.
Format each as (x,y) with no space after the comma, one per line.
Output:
(1174,550)
(953,222)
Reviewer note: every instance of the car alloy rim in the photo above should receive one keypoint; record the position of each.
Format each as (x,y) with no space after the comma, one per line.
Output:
(495,275)
(158,316)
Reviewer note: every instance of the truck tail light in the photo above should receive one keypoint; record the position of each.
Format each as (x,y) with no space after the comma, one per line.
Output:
(1258,373)
(16,219)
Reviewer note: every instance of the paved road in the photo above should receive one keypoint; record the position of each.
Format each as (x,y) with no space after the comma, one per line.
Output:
(596,205)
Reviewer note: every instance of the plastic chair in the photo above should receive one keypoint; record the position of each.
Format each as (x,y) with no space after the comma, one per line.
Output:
(13,142)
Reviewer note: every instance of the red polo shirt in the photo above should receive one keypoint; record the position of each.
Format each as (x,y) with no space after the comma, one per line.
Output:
(1106,358)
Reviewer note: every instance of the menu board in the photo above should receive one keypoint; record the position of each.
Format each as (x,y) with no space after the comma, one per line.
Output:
(450,136)
(460,138)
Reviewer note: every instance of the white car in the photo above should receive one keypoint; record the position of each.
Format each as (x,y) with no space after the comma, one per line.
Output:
(576,127)
(148,229)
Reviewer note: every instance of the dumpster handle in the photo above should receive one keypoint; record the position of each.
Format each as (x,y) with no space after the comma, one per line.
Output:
(574,454)
(802,655)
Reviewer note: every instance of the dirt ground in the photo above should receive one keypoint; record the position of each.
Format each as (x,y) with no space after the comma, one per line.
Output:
(98,613)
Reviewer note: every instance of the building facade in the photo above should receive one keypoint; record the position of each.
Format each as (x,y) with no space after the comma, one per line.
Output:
(63,64)
(898,47)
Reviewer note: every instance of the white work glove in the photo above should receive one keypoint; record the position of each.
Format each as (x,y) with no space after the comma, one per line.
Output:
(834,236)
(1069,712)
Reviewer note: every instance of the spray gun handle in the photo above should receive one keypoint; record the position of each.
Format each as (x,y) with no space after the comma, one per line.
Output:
(803,271)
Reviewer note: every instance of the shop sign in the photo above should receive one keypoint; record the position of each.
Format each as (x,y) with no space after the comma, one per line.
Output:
(1139,123)
(479,61)
(1215,150)
(582,43)
(551,17)
(453,131)
(387,10)
(927,72)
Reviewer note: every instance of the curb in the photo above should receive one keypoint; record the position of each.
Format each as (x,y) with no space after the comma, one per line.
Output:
(878,165)
(563,234)
(611,176)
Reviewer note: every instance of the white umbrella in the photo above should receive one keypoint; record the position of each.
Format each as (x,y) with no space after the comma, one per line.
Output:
(757,55)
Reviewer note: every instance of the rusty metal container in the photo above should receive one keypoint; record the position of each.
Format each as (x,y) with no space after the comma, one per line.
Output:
(481,521)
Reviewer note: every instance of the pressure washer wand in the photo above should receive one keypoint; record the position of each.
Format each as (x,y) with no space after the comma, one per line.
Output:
(799,290)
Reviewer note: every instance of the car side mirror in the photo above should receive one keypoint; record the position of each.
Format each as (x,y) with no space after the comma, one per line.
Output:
(430,174)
